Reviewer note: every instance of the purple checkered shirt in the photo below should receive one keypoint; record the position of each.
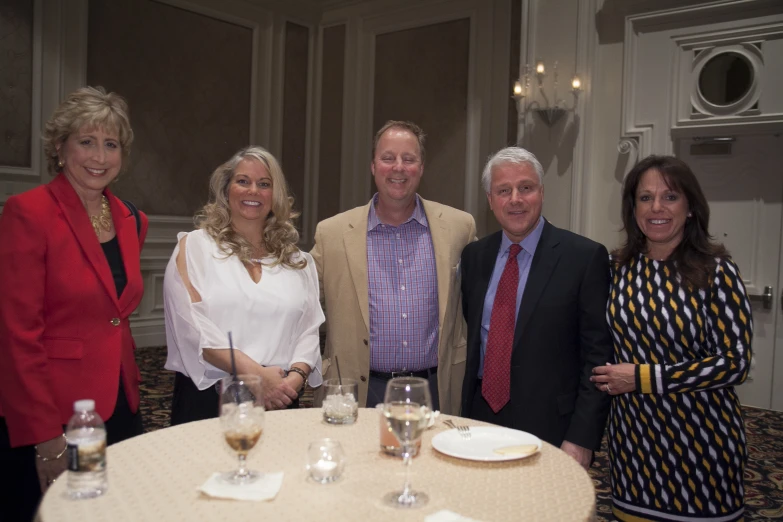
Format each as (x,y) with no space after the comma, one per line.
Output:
(403,293)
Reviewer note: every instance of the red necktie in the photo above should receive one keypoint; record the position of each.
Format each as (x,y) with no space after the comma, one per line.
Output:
(496,384)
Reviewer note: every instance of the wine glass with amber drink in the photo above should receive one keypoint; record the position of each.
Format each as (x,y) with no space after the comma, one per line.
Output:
(242,421)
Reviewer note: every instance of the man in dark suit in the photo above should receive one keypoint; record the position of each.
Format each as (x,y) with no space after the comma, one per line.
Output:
(534,298)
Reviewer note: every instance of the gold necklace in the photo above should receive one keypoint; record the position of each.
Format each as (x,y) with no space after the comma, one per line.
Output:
(104,220)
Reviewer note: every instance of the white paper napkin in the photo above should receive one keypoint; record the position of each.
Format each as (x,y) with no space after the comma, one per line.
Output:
(444,515)
(265,488)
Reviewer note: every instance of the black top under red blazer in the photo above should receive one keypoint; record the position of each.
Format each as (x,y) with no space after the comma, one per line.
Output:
(560,335)
(64,334)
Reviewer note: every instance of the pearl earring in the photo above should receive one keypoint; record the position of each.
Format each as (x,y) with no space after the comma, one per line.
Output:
(60,163)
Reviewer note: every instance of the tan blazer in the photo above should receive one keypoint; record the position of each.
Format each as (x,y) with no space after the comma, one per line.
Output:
(340,255)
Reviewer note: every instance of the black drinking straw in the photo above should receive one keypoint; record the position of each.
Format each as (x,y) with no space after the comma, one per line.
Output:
(233,367)
(339,376)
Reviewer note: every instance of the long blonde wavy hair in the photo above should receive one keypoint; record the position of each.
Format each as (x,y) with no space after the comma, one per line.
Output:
(280,235)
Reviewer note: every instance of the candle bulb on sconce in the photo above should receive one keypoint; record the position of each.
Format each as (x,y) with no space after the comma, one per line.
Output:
(576,84)
(517,89)
(540,69)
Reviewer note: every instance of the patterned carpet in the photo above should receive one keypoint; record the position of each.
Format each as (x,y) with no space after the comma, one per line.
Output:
(763,475)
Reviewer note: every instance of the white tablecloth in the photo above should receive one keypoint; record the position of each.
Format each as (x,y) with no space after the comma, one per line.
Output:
(156,476)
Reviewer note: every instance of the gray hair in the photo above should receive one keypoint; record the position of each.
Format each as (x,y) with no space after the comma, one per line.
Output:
(515,155)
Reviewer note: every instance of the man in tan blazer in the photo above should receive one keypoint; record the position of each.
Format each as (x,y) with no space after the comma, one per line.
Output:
(389,274)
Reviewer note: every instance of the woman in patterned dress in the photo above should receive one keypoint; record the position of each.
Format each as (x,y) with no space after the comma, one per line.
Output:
(682,329)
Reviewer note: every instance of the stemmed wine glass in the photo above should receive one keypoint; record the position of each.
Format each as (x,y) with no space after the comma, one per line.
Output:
(242,422)
(407,408)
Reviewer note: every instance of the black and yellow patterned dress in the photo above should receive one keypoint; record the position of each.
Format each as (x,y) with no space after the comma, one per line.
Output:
(677,443)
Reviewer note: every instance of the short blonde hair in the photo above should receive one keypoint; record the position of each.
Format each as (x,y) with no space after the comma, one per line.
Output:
(280,235)
(88,107)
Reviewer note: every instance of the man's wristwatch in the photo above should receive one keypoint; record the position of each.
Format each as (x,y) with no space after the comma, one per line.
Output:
(304,377)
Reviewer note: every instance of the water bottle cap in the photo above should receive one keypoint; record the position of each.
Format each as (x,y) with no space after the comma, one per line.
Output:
(84,405)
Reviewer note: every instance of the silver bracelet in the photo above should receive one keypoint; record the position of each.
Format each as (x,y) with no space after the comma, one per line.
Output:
(59,455)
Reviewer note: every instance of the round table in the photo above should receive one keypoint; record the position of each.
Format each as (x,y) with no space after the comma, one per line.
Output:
(156,477)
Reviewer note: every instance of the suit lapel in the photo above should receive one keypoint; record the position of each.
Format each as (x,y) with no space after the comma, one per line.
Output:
(486,264)
(544,262)
(441,240)
(355,241)
(77,218)
(125,228)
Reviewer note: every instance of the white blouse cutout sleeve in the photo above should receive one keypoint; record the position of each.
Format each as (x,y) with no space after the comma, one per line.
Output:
(274,321)
(307,347)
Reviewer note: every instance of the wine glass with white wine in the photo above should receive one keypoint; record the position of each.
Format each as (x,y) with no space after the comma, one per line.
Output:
(242,422)
(407,408)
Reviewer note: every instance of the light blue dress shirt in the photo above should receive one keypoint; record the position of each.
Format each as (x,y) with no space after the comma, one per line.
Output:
(524,259)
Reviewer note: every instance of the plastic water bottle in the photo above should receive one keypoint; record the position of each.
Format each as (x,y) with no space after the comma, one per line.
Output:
(86,437)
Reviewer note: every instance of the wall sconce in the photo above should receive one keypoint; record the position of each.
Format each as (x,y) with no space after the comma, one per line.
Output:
(550,111)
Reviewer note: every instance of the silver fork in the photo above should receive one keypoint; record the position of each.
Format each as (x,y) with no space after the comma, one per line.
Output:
(464,431)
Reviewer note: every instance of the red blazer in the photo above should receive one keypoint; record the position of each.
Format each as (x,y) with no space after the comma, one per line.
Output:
(64,335)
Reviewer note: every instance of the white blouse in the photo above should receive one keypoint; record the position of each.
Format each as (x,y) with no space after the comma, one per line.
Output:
(275,321)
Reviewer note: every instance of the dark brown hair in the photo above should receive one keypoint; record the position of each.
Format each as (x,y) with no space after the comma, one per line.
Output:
(696,254)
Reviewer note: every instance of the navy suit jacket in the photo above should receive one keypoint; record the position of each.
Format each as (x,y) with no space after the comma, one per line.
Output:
(561,333)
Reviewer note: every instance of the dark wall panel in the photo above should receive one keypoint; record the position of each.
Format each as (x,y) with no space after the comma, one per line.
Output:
(187,80)
(331,129)
(16,82)
(295,110)
(421,75)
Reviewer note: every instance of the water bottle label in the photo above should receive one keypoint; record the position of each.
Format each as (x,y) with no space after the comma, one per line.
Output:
(73,457)
(87,456)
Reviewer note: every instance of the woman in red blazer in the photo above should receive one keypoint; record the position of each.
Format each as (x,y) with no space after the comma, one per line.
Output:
(70,278)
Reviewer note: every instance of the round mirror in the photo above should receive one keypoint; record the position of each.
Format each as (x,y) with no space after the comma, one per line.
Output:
(726,78)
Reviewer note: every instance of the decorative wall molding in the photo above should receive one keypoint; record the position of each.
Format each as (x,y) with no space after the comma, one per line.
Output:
(147,322)
(641,131)
(662,45)
(629,146)
(704,108)
(587,44)
(32,173)
(758,110)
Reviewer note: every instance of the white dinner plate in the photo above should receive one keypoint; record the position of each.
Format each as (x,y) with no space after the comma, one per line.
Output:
(483,443)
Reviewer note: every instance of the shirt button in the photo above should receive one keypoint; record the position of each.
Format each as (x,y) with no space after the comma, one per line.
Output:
(402,287)
(398,236)
(404,316)
(115,321)
(405,343)
(399,261)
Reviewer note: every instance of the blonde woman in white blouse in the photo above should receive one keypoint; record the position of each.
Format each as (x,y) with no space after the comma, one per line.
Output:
(242,272)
